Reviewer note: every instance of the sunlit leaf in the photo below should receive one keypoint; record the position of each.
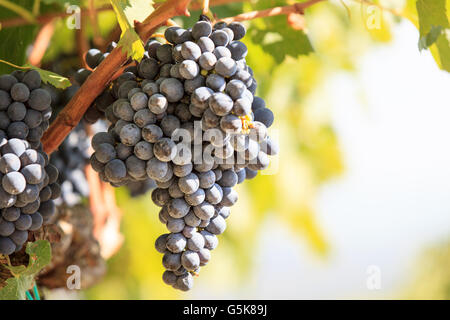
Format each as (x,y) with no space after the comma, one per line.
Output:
(432,14)
(40,255)
(130,42)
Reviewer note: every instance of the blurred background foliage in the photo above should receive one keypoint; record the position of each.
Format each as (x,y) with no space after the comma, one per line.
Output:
(290,67)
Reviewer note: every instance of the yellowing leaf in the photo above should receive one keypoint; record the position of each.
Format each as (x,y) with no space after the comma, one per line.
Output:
(432,14)
(130,42)
(132,45)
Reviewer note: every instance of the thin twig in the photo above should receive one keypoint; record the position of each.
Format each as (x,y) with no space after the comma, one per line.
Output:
(13,65)
(294,8)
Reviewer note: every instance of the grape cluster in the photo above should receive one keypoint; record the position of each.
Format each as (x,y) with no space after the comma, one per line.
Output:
(187,118)
(25,108)
(70,159)
(28,181)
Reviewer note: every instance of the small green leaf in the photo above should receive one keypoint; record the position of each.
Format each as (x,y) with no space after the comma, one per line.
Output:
(130,42)
(40,255)
(275,36)
(16,287)
(430,38)
(432,16)
(52,78)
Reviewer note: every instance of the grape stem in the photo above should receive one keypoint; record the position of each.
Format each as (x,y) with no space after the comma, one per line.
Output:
(294,8)
(13,65)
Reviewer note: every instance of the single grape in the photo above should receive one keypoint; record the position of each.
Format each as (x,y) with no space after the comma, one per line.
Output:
(220,38)
(156,169)
(206,44)
(148,68)
(214,194)
(225,67)
(201,29)
(130,134)
(189,69)
(115,170)
(221,104)
(32,79)
(172,89)
(152,133)
(14,183)
(265,116)
(178,208)
(176,242)
(222,52)
(16,111)
(190,50)
(216,82)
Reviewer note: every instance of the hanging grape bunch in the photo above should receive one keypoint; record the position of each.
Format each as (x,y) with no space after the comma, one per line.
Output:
(187,117)
(28,181)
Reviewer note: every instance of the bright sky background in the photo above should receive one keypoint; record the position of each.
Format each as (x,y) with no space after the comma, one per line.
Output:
(392,202)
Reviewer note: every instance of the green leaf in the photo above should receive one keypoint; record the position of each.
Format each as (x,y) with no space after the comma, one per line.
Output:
(276,37)
(16,287)
(430,38)
(434,28)
(129,40)
(15,40)
(131,43)
(52,78)
(279,40)
(40,255)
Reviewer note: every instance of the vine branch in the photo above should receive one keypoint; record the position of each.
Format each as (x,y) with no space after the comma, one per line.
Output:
(20,21)
(293,8)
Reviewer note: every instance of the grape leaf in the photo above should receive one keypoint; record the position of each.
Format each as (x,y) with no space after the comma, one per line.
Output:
(279,40)
(430,38)
(15,40)
(52,78)
(432,14)
(40,255)
(129,40)
(276,36)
